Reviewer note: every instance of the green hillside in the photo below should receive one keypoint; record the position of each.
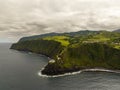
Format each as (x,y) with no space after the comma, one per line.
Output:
(48,48)
(75,50)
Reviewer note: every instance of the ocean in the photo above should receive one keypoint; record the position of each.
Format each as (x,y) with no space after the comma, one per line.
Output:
(20,71)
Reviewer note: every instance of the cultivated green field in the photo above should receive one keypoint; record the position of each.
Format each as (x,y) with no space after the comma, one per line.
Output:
(64,40)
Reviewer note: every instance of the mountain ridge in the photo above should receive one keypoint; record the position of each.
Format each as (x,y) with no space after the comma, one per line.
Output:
(55,34)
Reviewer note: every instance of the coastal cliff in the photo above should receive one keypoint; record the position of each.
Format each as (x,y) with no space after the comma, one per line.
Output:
(73,52)
(45,47)
(85,56)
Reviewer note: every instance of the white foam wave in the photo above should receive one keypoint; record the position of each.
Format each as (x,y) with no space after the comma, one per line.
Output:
(102,70)
(66,74)
(78,72)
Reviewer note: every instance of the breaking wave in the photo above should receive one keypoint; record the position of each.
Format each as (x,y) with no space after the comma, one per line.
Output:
(78,72)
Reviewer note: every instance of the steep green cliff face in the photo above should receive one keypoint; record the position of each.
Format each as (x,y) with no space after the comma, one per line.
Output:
(85,56)
(49,48)
(93,55)
(75,51)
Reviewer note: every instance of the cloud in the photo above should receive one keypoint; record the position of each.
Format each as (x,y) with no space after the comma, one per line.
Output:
(20,18)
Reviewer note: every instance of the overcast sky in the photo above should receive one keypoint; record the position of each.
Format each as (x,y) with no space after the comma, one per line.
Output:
(20,18)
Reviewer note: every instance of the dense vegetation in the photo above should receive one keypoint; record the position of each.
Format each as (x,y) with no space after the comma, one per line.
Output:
(75,50)
(48,48)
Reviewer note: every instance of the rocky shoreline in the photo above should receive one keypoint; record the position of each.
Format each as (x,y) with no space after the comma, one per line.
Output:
(80,71)
(51,70)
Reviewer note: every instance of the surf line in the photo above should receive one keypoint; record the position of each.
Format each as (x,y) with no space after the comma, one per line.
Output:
(78,72)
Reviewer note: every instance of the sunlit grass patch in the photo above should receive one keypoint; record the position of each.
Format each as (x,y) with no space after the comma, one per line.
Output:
(62,39)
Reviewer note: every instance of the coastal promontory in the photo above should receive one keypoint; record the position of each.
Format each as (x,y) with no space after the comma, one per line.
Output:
(74,51)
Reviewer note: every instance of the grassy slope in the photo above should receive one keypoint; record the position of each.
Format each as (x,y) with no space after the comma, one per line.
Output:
(47,47)
(62,39)
(75,52)
(88,52)
(90,55)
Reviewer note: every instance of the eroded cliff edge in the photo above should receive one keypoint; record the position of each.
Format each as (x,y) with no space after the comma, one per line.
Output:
(74,53)
(70,59)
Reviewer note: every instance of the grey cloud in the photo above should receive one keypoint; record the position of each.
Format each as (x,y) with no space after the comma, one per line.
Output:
(30,17)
